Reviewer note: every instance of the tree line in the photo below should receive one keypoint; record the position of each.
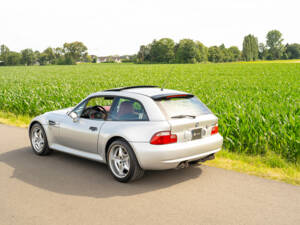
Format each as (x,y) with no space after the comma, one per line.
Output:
(166,50)
(69,54)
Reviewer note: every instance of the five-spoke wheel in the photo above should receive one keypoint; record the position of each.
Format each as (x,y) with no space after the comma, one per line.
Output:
(38,140)
(119,161)
(122,162)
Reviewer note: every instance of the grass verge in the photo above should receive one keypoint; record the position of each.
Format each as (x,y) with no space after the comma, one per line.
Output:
(270,166)
(14,120)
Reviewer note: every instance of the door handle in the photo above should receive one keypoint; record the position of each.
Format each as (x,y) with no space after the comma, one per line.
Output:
(51,122)
(93,128)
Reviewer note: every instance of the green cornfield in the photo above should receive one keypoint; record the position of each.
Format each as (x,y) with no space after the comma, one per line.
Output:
(257,104)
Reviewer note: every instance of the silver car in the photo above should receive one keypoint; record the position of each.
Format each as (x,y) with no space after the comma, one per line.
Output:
(131,129)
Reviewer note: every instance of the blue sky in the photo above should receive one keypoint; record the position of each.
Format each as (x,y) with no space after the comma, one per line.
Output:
(121,26)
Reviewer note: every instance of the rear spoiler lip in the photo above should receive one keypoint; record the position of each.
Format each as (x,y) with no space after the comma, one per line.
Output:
(171,95)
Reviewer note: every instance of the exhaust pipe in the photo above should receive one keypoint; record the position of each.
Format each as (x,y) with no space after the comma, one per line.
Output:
(209,157)
(186,164)
(183,164)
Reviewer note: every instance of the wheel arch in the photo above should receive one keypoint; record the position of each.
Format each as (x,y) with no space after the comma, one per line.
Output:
(31,125)
(114,138)
(44,126)
(111,140)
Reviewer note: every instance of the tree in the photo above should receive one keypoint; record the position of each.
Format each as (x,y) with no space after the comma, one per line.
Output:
(202,52)
(187,51)
(162,51)
(49,54)
(235,54)
(4,53)
(14,58)
(67,60)
(132,58)
(262,51)
(94,58)
(28,57)
(144,54)
(250,48)
(293,51)
(58,52)
(42,58)
(59,56)
(74,51)
(274,44)
(225,54)
(37,56)
(87,58)
(215,54)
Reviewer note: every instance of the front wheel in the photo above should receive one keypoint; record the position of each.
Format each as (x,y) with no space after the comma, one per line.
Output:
(39,140)
(122,162)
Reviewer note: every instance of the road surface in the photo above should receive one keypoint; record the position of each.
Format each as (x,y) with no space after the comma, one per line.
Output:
(64,189)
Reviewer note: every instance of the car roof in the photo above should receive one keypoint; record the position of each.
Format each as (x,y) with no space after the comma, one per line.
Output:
(150,91)
(153,91)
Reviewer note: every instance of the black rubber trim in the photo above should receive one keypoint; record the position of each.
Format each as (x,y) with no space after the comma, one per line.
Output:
(131,87)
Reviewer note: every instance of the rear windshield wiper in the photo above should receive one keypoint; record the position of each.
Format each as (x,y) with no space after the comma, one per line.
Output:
(183,116)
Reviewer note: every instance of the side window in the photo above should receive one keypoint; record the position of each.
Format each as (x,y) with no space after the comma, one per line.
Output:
(80,108)
(126,109)
(105,102)
(97,108)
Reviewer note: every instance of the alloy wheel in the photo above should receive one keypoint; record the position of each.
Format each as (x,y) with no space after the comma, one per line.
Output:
(37,138)
(119,161)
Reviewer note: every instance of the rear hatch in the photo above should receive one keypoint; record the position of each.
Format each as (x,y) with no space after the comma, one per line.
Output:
(189,118)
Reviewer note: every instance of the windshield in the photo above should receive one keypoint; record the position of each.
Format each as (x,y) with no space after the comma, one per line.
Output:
(183,107)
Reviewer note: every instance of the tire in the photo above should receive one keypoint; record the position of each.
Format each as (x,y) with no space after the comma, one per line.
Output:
(38,140)
(123,166)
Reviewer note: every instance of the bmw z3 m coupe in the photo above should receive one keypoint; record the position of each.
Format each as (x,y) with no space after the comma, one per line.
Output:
(131,129)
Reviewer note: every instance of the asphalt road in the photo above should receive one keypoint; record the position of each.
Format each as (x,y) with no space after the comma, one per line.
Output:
(63,189)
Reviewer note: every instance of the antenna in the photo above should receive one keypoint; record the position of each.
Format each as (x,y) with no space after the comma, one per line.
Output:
(167,78)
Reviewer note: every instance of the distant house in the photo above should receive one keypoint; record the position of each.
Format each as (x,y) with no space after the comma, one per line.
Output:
(126,57)
(107,59)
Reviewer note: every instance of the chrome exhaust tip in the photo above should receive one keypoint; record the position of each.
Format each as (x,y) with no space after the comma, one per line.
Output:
(195,163)
(183,165)
(199,161)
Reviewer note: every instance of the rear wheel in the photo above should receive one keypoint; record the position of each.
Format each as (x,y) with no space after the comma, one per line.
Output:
(38,140)
(122,162)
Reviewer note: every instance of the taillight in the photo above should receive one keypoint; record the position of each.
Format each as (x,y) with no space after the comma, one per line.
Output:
(214,130)
(163,137)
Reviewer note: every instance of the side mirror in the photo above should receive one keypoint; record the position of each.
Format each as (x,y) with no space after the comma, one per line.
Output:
(74,116)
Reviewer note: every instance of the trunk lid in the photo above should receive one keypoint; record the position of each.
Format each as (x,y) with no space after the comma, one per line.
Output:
(188,129)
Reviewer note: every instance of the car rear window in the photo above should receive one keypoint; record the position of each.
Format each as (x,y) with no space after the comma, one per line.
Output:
(183,106)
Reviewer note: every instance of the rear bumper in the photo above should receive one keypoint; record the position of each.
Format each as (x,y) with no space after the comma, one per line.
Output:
(160,157)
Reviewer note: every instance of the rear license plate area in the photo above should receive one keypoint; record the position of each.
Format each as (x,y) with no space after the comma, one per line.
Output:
(196,133)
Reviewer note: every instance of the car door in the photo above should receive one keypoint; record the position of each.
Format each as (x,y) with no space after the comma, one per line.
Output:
(83,133)
(80,135)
